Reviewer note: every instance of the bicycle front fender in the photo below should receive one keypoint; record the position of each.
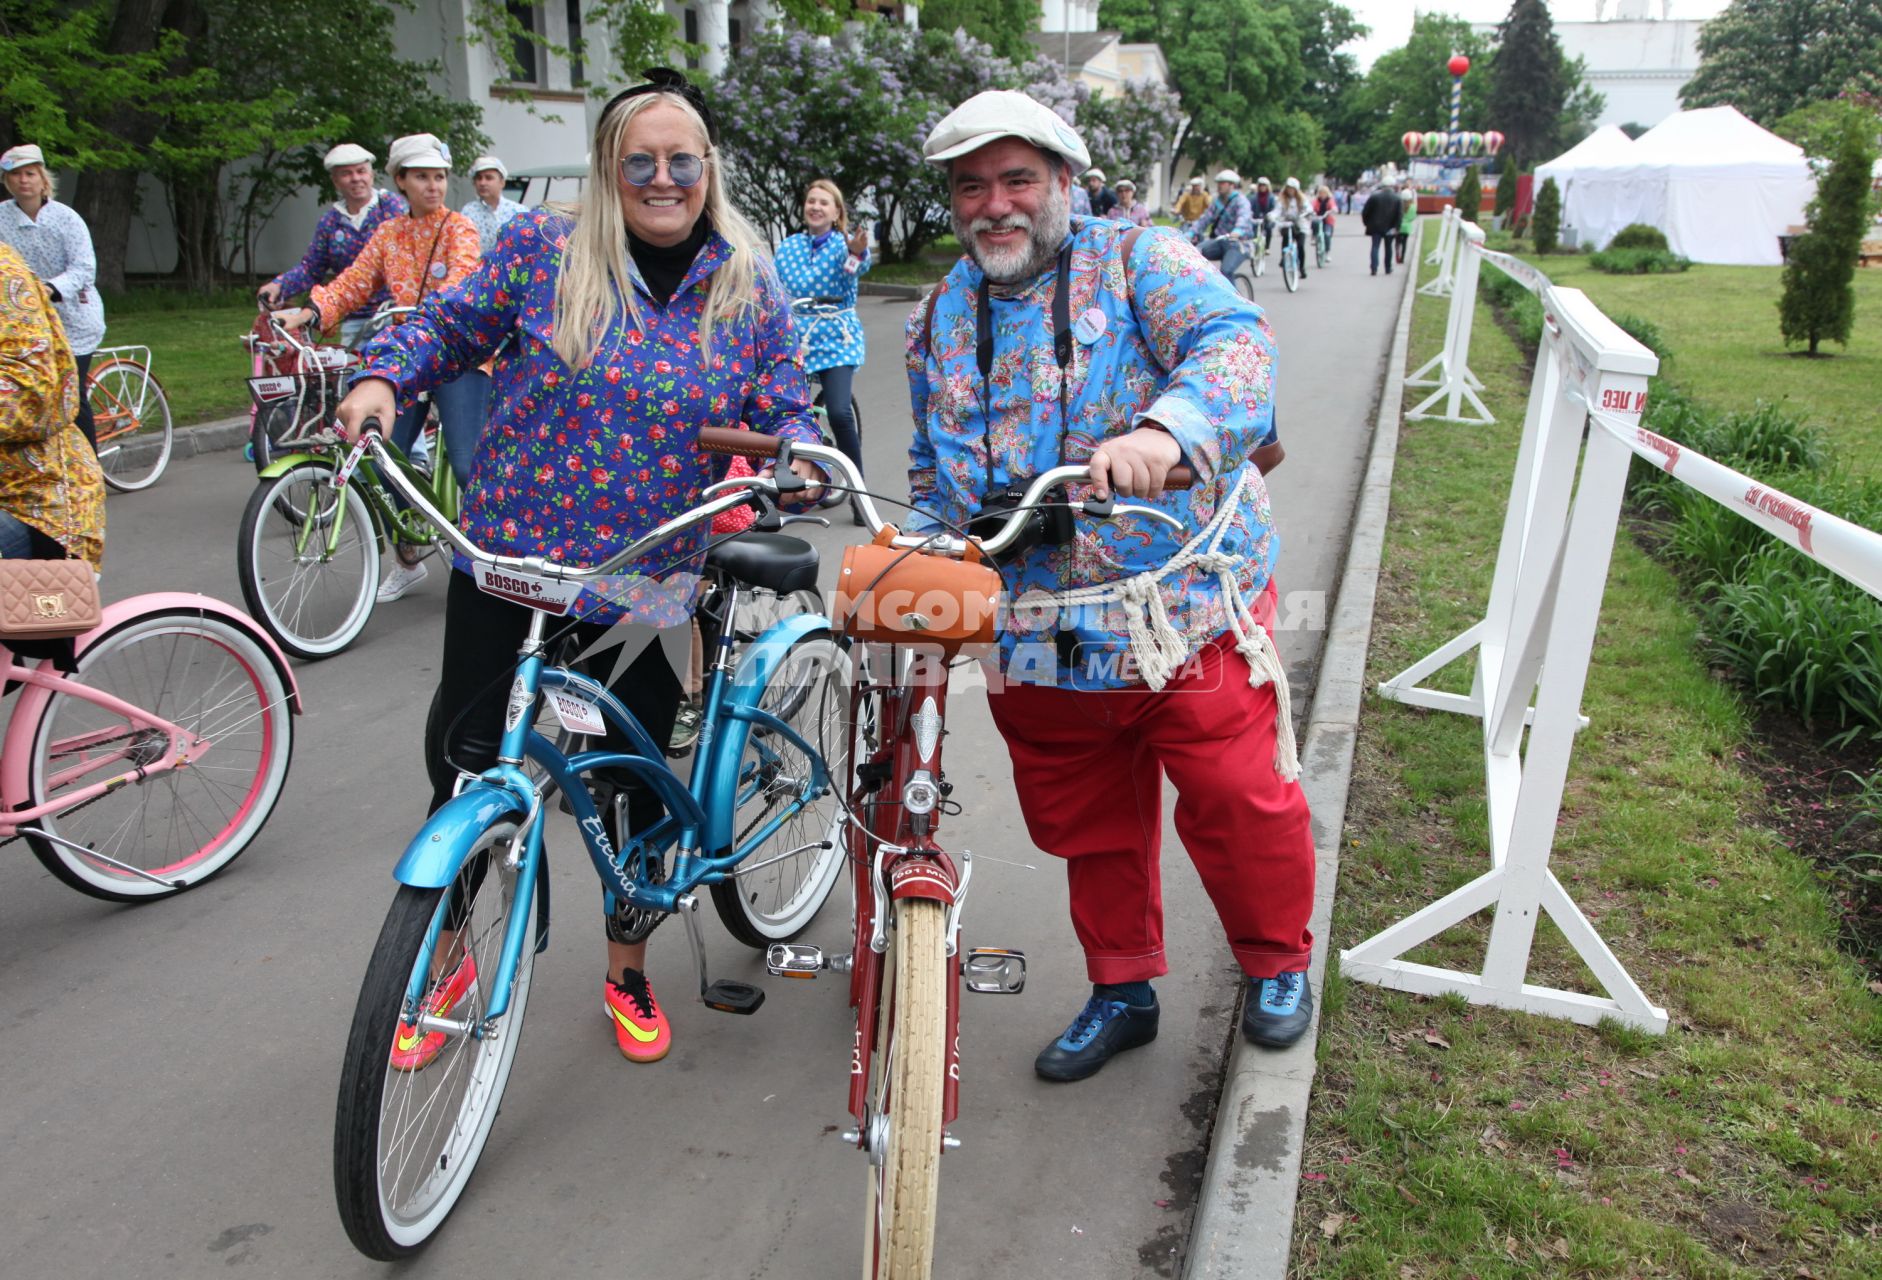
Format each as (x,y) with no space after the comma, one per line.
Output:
(436,854)
(286,462)
(727,745)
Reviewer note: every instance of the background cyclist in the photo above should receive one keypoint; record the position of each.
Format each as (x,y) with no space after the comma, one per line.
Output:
(824,260)
(1226,226)
(343,230)
(1262,204)
(631,324)
(1323,205)
(1290,209)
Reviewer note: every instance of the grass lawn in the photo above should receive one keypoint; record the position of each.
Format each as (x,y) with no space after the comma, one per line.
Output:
(1721,323)
(193,347)
(1451,1141)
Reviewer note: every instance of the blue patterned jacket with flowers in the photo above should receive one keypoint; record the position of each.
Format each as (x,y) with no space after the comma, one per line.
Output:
(1178,346)
(337,241)
(575,465)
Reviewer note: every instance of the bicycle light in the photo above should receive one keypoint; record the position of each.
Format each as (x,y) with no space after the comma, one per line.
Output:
(921,795)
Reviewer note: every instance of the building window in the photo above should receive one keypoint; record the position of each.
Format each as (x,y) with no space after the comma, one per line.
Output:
(692,36)
(577,76)
(737,31)
(523,45)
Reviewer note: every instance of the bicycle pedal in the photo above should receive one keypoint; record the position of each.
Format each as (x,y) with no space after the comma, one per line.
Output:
(793,960)
(994,971)
(733,997)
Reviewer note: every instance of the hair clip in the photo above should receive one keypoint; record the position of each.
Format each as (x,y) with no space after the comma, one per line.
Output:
(667,80)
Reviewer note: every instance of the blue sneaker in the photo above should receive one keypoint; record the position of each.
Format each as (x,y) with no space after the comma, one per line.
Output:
(1104,1027)
(1278,1010)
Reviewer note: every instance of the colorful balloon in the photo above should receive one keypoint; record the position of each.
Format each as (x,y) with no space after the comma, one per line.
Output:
(1473,143)
(1435,142)
(1493,142)
(1458,65)
(1413,142)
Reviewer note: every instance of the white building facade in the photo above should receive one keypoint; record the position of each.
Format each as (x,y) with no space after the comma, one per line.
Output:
(1638,61)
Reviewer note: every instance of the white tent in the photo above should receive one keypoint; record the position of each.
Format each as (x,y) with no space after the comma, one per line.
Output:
(1721,188)
(1606,147)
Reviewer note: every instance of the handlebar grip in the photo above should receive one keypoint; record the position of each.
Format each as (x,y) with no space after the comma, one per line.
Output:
(1179,478)
(748,444)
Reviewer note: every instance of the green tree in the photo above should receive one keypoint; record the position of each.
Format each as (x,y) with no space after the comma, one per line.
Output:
(1545,224)
(1819,300)
(1529,82)
(1237,65)
(1409,89)
(1470,195)
(1505,203)
(1770,57)
(1000,23)
(1818,128)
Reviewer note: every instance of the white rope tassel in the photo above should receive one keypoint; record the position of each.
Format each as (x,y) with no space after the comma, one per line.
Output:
(1154,641)
(1264,667)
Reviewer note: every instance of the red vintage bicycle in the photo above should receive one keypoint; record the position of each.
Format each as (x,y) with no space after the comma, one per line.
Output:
(911,605)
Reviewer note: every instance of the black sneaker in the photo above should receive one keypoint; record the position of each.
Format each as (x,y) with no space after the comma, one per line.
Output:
(1278,1010)
(1102,1028)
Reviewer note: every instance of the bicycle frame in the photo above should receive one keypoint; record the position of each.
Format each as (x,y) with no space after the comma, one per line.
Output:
(404,524)
(121,418)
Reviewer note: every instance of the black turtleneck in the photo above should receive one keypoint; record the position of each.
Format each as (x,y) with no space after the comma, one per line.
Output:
(664,268)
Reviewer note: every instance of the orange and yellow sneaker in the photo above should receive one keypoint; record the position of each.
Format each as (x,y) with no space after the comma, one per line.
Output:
(640,1026)
(413,1050)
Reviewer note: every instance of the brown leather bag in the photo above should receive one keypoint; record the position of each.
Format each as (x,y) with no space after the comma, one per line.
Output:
(893,595)
(47,599)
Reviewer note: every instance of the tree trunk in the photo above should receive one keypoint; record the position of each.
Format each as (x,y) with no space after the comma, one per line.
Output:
(107,198)
(196,208)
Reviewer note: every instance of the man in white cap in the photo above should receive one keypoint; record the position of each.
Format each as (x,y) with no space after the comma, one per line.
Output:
(1103,200)
(491,209)
(343,230)
(1227,226)
(1142,650)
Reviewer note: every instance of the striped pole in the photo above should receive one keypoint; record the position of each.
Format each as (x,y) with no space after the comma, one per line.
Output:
(1457,112)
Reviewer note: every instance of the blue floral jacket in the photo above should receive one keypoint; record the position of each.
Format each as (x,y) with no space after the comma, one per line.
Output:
(575,465)
(1168,340)
(335,244)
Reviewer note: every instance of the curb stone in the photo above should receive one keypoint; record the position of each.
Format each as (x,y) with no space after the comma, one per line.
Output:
(206,437)
(1244,1224)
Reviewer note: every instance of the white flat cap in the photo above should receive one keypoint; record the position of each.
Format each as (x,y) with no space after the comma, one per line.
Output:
(21,156)
(348,153)
(418,151)
(488,162)
(1003,113)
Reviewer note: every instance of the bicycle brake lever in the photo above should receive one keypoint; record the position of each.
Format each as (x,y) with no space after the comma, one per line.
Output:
(1110,509)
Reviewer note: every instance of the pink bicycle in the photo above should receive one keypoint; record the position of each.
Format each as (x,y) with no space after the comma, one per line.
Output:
(155,764)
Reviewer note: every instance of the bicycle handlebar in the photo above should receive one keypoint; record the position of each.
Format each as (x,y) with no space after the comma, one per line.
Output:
(752,444)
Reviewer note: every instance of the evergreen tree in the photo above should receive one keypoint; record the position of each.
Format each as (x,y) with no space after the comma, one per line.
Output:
(1819,299)
(1470,195)
(1546,222)
(1506,194)
(1530,82)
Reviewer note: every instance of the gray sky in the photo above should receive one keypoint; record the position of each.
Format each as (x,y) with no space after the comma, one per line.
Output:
(1391,20)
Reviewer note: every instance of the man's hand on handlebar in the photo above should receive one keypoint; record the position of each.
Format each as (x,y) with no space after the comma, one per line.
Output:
(369,398)
(812,476)
(295,317)
(269,295)
(1135,465)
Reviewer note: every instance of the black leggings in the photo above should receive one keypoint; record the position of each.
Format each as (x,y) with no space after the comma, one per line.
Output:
(481,637)
(85,423)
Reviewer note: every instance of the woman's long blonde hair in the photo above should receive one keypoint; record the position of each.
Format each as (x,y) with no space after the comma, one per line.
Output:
(595,283)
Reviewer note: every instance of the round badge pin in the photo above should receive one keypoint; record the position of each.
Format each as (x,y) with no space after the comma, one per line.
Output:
(437,270)
(1089,326)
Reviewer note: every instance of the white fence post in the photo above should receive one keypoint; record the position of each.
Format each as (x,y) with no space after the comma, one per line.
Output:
(1443,247)
(1553,529)
(1445,255)
(1453,379)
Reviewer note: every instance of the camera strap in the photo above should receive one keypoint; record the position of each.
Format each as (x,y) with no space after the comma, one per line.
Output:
(1061,353)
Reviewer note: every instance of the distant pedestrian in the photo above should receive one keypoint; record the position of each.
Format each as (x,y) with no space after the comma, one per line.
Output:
(1407,218)
(1381,217)
(491,209)
(56,244)
(1129,208)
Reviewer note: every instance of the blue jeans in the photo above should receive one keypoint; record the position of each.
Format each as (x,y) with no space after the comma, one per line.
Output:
(16,538)
(1378,238)
(1229,252)
(836,402)
(463,406)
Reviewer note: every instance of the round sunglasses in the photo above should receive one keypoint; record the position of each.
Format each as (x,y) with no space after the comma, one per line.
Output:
(684,168)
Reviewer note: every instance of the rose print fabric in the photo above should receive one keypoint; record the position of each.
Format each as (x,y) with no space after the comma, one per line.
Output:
(576,464)
(1178,347)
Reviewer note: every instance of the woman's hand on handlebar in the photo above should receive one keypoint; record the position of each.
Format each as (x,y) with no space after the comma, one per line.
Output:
(369,398)
(1135,465)
(269,295)
(295,317)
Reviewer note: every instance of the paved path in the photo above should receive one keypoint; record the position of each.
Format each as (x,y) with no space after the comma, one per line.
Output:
(170,1069)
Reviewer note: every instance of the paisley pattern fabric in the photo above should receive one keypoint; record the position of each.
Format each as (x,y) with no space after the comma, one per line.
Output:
(407,259)
(576,464)
(49,477)
(1177,346)
(338,238)
(813,268)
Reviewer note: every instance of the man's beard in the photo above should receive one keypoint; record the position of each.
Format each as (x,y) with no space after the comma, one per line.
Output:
(1045,233)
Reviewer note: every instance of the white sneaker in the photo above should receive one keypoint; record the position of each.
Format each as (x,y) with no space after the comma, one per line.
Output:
(402,579)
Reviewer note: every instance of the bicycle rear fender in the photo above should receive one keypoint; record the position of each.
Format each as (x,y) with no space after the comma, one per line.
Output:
(33,698)
(437,852)
(727,746)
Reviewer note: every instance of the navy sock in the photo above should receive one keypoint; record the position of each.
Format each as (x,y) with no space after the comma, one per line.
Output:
(1137,993)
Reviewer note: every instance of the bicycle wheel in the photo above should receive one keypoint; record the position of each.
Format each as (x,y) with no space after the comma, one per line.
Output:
(1245,281)
(1260,259)
(216,683)
(794,867)
(1320,249)
(905,1090)
(406,1138)
(132,417)
(308,559)
(1290,272)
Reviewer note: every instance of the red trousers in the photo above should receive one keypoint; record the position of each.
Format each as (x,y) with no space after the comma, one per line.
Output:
(1089,769)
